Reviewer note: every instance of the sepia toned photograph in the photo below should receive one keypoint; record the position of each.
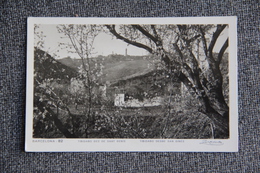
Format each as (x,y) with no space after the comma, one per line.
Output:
(138,81)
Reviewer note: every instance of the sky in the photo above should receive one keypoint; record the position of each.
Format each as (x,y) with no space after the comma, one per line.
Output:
(104,44)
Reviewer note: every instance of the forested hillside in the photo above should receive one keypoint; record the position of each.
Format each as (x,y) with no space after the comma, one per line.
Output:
(46,67)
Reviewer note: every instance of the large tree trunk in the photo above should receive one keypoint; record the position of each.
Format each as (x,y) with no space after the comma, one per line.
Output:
(213,106)
(218,111)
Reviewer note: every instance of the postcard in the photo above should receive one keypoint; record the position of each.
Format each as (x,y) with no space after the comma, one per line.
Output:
(131,84)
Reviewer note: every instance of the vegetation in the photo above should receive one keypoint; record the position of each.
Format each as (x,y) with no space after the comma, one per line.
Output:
(178,46)
(74,98)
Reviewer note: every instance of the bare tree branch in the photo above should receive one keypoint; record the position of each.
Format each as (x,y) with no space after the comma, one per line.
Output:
(204,42)
(215,36)
(111,28)
(148,35)
(154,31)
(222,51)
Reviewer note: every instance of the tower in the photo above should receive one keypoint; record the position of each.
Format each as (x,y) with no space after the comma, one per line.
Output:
(126,52)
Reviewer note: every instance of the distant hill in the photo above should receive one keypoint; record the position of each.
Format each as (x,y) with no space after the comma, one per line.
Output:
(46,66)
(125,69)
(72,63)
(116,67)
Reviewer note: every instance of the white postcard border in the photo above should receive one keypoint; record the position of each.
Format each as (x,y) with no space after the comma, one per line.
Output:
(145,145)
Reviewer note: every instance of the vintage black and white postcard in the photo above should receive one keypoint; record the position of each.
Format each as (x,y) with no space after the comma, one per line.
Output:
(132,84)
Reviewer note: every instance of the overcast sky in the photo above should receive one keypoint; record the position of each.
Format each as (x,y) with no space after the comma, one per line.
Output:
(104,44)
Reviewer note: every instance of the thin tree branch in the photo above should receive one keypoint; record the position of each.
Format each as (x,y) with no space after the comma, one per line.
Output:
(195,65)
(194,38)
(155,32)
(75,46)
(204,42)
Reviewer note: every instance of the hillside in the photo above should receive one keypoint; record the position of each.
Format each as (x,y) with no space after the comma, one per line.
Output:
(47,67)
(126,69)
(116,67)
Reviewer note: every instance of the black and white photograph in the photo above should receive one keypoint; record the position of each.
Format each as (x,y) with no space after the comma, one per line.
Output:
(111,84)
